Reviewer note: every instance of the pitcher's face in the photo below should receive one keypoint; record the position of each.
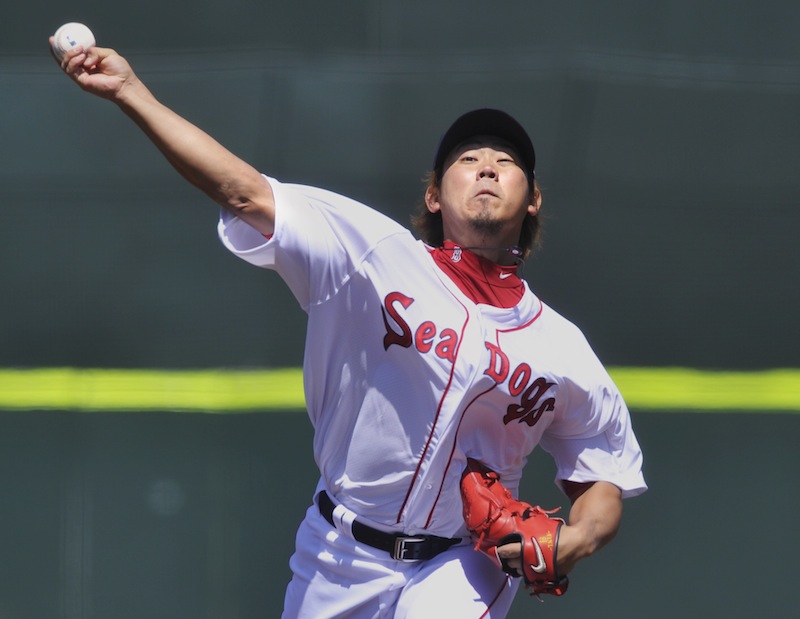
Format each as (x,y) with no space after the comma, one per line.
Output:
(484,194)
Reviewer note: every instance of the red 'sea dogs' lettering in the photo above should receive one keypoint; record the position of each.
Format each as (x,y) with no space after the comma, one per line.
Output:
(531,406)
(392,337)
(426,338)
(529,410)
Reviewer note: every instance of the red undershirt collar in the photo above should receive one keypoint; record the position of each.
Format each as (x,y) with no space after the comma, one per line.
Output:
(482,280)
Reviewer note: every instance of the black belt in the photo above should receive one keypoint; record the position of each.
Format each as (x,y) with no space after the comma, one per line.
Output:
(400,547)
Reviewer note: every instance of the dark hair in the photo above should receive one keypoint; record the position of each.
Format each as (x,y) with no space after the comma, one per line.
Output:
(430,228)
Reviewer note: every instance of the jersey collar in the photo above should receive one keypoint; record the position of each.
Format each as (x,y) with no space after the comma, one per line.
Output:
(481,280)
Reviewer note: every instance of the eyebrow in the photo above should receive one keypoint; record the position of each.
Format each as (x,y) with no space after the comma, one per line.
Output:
(488,142)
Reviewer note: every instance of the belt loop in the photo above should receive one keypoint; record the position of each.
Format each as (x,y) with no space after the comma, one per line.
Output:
(343,520)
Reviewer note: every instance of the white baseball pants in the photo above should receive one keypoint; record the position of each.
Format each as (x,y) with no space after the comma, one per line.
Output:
(335,577)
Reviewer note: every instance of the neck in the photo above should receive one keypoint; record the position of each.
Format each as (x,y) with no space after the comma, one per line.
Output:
(479,279)
(504,255)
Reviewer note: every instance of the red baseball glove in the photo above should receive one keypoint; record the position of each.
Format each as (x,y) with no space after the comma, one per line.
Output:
(494,518)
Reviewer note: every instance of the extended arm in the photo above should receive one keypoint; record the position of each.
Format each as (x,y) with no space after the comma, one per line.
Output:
(204,162)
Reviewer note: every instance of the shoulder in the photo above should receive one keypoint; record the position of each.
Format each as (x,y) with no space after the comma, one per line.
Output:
(570,354)
(559,328)
(330,204)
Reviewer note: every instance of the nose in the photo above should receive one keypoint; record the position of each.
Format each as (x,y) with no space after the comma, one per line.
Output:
(487,171)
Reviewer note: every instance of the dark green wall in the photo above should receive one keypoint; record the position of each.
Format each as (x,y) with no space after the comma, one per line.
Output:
(667,137)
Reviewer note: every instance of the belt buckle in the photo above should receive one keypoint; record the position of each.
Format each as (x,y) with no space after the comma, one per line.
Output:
(402,550)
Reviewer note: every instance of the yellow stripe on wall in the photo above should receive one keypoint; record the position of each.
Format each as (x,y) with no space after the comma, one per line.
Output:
(231,391)
(686,389)
(151,390)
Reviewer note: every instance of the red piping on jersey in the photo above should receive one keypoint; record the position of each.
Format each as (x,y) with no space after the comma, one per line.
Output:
(526,325)
(486,613)
(466,408)
(453,450)
(435,418)
(494,600)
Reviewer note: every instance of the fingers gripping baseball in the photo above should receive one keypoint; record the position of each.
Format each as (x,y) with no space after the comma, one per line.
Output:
(494,519)
(98,70)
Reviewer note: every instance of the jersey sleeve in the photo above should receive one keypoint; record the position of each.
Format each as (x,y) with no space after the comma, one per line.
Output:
(320,239)
(591,438)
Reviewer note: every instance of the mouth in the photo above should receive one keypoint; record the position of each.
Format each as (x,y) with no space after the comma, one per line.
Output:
(486,192)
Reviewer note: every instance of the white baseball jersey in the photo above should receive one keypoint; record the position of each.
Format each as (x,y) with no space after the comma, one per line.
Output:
(406,377)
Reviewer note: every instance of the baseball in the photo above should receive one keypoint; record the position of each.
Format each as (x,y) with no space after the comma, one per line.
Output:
(71,35)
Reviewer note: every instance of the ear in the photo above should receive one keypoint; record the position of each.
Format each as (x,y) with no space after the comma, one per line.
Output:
(432,199)
(536,202)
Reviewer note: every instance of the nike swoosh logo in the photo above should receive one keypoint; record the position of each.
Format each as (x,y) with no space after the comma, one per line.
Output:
(505,275)
(539,569)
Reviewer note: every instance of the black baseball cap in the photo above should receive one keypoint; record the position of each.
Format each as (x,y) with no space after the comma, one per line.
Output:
(487,121)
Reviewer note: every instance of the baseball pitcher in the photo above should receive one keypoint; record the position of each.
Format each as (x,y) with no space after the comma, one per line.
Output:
(432,371)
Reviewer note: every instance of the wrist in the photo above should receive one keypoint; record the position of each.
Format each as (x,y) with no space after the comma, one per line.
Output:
(132,93)
(574,544)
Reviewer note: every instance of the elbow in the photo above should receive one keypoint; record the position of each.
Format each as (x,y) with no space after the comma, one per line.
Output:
(253,203)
